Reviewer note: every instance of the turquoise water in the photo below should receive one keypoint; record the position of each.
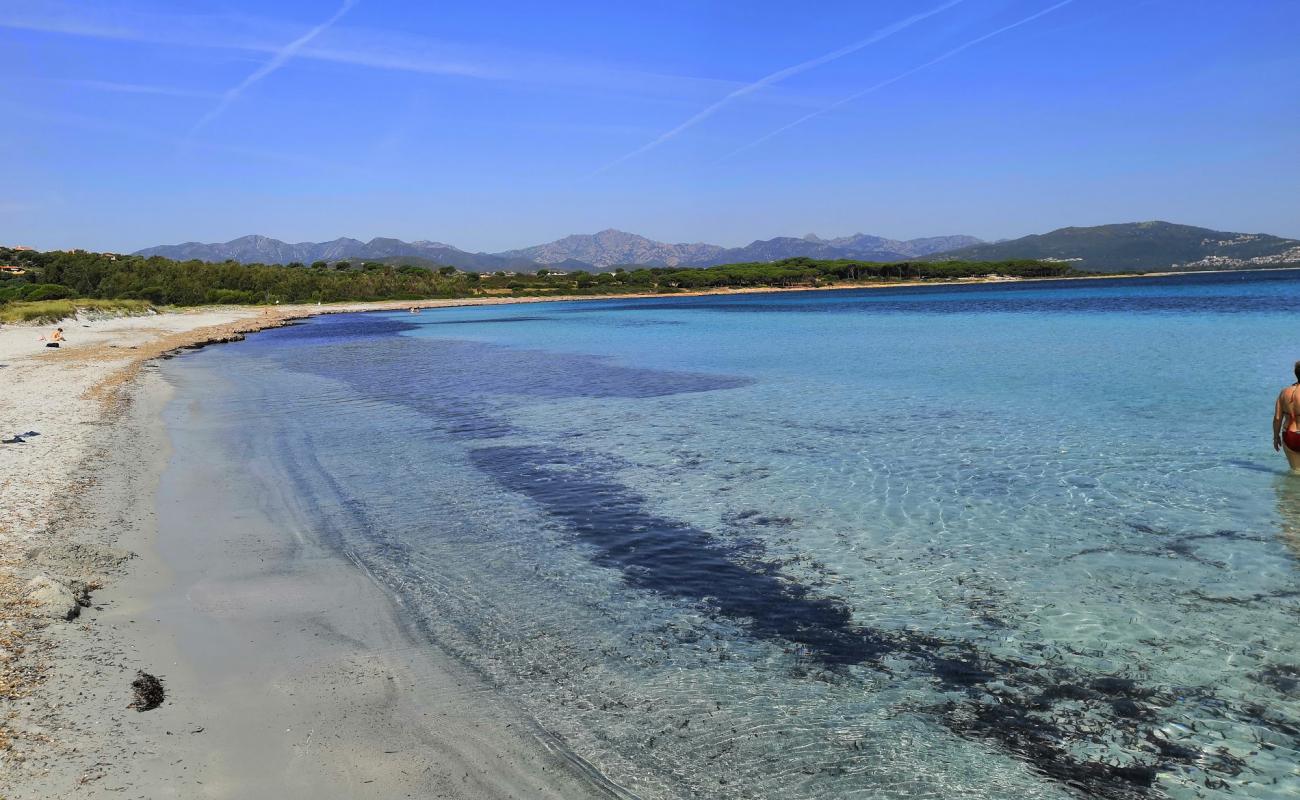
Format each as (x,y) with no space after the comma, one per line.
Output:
(975,541)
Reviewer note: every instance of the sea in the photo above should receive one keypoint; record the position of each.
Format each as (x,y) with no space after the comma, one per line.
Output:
(1003,540)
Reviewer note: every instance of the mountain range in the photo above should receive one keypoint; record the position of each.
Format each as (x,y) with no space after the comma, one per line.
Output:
(265,250)
(598,251)
(1121,247)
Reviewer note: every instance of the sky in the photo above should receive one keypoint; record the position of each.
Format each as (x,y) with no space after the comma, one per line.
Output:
(493,125)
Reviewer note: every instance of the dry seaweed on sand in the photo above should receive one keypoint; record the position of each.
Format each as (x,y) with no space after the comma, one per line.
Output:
(148,691)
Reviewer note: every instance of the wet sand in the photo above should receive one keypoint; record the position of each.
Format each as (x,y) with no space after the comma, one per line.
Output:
(287,671)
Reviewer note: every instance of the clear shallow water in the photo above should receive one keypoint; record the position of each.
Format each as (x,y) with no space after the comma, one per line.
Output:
(975,541)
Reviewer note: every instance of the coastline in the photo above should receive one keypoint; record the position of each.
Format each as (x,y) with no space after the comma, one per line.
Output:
(79,509)
(284,665)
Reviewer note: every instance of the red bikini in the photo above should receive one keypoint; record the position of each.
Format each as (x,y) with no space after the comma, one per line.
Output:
(1292,440)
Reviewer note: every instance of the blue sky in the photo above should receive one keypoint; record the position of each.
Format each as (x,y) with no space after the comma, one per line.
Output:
(493,125)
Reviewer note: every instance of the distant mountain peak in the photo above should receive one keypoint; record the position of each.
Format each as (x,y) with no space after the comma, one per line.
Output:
(427,243)
(611,247)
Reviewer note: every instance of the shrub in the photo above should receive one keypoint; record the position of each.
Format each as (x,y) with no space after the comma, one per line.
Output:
(46,291)
(231,297)
(154,294)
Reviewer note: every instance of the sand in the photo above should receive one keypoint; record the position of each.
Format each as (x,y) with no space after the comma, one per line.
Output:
(287,671)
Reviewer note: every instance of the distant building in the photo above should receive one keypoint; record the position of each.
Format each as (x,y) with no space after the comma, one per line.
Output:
(12,270)
(21,247)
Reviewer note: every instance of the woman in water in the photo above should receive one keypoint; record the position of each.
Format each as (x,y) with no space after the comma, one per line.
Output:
(1286,427)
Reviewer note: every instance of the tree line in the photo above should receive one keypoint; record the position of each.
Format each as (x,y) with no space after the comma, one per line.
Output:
(63,274)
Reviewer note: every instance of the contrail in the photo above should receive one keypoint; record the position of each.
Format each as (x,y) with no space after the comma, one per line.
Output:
(278,60)
(896,78)
(781,75)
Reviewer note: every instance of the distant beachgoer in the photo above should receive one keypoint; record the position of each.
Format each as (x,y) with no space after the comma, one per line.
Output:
(1286,422)
(56,338)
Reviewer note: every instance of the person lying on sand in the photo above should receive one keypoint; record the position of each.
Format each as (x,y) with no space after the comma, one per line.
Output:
(55,338)
(1286,431)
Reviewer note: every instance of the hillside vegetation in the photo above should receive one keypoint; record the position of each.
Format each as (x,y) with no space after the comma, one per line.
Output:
(60,275)
(1138,246)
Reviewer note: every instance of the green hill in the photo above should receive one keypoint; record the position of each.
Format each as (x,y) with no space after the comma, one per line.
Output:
(1141,246)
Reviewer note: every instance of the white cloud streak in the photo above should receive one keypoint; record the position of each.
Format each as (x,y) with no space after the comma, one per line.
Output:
(780,75)
(877,87)
(396,51)
(280,58)
(133,88)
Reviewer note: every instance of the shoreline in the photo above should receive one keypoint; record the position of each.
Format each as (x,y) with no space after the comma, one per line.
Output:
(79,510)
(283,664)
(316,679)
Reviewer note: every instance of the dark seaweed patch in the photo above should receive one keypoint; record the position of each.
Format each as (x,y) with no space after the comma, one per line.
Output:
(1065,691)
(1169,545)
(1285,678)
(1121,687)
(1040,742)
(1060,720)
(1258,597)
(755,517)
(678,560)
